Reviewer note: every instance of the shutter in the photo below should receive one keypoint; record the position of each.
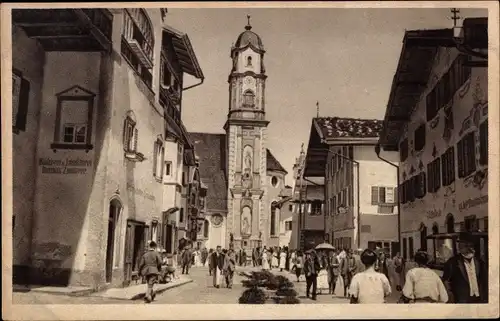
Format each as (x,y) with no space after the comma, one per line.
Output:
(396,191)
(24,97)
(309,208)
(155,158)
(483,143)
(322,208)
(430,172)
(162,162)
(374,195)
(461,158)
(389,195)
(136,135)
(125,141)
(471,147)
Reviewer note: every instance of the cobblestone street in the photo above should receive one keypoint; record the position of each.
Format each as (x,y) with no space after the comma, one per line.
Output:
(200,290)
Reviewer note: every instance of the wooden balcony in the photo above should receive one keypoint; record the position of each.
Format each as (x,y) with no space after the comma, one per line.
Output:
(87,30)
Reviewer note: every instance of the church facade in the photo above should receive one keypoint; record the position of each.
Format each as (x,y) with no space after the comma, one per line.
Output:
(244,179)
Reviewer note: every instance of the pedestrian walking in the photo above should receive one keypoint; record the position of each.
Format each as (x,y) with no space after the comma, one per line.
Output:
(369,286)
(229,268)
(423,285)
(217,262)
(399,269)
(333,271)
(311,269)
(348,270)
(323,284)
(149,268)
(209,260)
(282,260)
(466,275)
(187,259)
(265,261)
(299,264)
(274,259)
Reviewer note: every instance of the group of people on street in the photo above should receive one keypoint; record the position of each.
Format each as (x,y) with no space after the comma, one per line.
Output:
(363,275)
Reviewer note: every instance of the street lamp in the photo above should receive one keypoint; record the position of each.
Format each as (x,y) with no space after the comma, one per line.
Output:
(342,209)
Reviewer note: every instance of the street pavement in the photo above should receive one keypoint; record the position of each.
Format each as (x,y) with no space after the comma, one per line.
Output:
(200,290)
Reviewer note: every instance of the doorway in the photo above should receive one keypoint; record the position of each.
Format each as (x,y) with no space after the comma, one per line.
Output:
(135,246)
(113,226)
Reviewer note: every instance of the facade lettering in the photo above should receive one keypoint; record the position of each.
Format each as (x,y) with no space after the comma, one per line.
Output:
(64,166)
(473,202)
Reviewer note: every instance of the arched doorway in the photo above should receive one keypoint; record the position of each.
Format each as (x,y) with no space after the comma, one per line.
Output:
(423,237)
(115,208)
(450,223)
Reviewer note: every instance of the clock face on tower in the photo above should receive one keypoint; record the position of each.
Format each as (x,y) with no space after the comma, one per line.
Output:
(249,80)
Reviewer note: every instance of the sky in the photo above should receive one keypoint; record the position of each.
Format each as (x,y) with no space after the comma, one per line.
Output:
(344,59)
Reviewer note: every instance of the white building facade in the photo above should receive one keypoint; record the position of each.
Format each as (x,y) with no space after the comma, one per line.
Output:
(443,141)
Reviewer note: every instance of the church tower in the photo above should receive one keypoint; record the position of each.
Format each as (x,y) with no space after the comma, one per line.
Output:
(247,217)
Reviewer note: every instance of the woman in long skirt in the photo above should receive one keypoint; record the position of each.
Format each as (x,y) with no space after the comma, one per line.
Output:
(274,262)
(323,277)
(282,260)
(265,261)
(299,264)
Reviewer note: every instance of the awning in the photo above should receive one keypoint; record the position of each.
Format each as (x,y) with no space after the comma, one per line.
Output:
(184,52)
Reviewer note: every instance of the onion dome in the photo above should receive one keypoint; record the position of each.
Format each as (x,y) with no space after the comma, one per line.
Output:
(249,38)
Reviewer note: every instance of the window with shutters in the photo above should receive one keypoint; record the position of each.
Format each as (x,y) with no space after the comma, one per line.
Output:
(288,226)
(383,195)
(130,135)
(447,86)
(20,101)
(466,155)
(483,143)
(420,185)
(420,138)
(448,166)
(158,160)
(334,206)
(403,150)
(434,175)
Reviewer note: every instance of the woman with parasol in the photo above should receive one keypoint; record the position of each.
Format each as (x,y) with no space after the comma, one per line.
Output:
(323,249)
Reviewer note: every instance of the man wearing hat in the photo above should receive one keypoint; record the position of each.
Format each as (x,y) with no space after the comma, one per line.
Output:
(465,275)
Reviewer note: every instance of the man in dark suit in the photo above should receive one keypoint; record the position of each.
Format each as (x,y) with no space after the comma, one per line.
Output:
(150,267)
(311,270)
(187,257)
(465,275)
(217,260)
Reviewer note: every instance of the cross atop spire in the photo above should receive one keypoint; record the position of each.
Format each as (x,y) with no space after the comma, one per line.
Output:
(317,109)
(455,17)
(248,26)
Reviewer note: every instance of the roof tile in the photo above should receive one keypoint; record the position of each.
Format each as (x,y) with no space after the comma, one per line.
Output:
(336,127)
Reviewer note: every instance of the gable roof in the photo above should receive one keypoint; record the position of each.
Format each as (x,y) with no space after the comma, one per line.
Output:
(272,163)
(210,149)
(337,127)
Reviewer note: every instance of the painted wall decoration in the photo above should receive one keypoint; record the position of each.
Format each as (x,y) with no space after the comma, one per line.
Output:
(217,220)
(247,167)
(477,179)
(246,221)
(448,121)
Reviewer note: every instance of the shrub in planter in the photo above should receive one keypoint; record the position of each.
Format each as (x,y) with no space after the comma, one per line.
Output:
(258,281)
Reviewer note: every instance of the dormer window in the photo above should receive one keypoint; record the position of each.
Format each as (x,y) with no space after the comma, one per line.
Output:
(249,61)
(248,99)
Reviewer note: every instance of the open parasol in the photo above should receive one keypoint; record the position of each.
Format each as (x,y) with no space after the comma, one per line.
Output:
(325,246)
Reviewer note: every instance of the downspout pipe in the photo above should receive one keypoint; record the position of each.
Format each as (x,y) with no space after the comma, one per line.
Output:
(377,151)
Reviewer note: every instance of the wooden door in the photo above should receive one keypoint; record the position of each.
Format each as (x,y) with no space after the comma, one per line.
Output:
(129,254)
